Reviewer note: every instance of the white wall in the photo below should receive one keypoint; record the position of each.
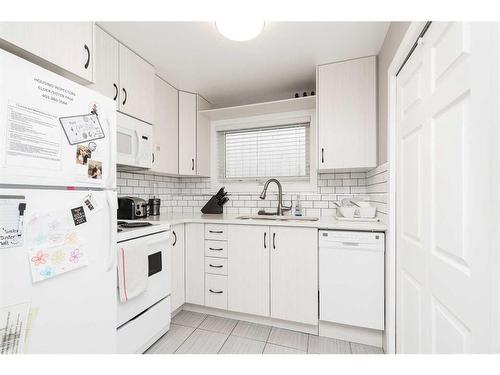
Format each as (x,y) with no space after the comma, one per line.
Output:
(391,43)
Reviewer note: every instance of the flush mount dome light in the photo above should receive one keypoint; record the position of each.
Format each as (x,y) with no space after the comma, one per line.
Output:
(240,30)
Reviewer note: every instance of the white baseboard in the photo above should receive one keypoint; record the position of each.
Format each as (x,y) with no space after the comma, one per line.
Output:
(360,335)
(300,327)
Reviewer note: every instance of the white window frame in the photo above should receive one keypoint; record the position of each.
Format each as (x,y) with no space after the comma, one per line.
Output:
(262,121)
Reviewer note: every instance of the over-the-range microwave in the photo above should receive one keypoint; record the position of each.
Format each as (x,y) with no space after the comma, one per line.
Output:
(134,142)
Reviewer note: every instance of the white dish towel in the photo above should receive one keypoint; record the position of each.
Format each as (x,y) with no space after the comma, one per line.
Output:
(132,271)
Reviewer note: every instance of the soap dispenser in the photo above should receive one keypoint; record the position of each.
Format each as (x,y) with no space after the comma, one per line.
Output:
(298,207)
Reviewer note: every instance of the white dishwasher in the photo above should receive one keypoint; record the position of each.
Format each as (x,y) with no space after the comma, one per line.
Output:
(351,278)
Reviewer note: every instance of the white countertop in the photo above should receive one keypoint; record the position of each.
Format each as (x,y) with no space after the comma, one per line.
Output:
(324,222)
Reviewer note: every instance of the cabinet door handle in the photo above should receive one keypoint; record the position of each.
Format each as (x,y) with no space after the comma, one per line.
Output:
(218,266)
(322,155)
(88,56)
(265,245)
(116,91)
(175,237)
(215,291)
(192,166)
(125,99)
(216,231)
(215,249)
(153,161)
(274,240)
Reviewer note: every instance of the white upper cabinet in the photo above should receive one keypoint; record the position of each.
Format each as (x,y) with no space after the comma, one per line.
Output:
(294,274)
(347,114)
(61,45)
(137,78)
(203,139)
(106,69)
(187,133)
(166,128)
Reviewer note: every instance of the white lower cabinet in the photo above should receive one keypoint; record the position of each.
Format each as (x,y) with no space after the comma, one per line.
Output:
(248,269)
(294,274)
(216,291)
(177,253)
(195,263)
(251,269)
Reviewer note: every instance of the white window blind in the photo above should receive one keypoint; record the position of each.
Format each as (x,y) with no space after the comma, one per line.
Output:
(265,152)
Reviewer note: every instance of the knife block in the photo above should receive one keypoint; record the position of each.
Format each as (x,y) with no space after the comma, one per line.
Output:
(212,206)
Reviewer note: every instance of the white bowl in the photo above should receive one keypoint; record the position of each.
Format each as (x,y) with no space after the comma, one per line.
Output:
(347,211)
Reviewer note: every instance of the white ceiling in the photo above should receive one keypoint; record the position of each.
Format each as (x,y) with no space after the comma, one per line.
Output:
(193,56)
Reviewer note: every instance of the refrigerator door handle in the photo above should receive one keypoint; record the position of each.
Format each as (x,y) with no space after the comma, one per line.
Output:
(112,203)
(110,184)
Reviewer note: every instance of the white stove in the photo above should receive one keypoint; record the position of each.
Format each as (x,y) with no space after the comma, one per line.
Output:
(129,229)
(145,318)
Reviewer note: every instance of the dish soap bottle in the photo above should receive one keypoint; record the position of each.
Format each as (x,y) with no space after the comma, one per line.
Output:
(298,206)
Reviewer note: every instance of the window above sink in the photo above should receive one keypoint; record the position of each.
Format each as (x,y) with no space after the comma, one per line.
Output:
(247,151)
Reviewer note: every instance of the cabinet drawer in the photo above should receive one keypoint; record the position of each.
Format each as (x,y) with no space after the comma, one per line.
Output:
(216,249)
(216,266)
(215,232)
(216,291)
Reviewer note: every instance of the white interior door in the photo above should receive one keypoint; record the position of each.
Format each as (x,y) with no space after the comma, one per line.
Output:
(445,100)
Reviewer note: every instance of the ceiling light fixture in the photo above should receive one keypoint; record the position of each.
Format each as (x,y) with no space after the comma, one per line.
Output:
(240,30)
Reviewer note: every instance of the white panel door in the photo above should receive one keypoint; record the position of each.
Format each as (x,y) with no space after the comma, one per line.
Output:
(294,274)
(177,266)
(444,103)
(106,70)
(187,133)
(195,263)
(166,128)
(137,86)
(67,45)
(248,269)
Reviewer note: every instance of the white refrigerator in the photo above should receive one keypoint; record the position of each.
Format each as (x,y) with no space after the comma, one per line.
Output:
(57,213)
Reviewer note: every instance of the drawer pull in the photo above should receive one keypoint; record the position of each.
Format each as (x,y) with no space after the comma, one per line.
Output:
(219,266)
(216,231)
(215,249)
(215,291)
(350,243)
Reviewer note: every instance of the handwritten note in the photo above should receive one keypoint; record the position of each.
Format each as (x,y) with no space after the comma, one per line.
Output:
(10,229)
(13,328)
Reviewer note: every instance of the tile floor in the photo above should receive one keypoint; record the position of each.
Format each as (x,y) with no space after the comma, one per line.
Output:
(195,333)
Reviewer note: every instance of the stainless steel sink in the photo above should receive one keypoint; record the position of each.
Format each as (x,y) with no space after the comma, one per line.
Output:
(278,218)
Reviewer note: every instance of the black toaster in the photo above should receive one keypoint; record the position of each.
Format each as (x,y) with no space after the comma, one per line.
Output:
(131,208)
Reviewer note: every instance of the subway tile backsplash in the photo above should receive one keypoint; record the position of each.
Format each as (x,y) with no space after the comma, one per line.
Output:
(189,194)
